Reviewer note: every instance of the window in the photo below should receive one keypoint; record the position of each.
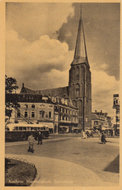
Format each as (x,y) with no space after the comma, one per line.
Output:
(117,119)
(42,113)
(50,114)
(33,106)
(33,114)
(95,122)
(26,114)
(26,106)
(117,111)
(77,92)
(18,114)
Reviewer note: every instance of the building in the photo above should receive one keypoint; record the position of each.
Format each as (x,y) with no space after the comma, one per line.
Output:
(101,120)
(116,113)
(79,87)
(58,114)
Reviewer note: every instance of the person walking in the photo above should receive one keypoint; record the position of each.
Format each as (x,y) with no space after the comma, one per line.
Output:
(103,138)
(31,141)
(40,137)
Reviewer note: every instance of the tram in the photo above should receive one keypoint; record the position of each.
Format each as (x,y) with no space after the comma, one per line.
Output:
(17,131)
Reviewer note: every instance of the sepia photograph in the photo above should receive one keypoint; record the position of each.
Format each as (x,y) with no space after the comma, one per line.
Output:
(62,94)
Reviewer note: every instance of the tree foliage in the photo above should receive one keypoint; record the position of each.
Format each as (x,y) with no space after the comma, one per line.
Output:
(10,84)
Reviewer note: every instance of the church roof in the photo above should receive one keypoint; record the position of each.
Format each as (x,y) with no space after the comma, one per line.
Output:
(61,91)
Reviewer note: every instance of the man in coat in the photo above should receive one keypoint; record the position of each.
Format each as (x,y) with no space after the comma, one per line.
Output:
(39,137)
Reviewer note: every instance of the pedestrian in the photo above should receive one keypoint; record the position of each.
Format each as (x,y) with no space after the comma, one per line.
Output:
(103,138)
(40,137)
(31,141)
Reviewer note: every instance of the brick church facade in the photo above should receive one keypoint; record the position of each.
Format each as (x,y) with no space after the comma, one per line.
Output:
(79,87)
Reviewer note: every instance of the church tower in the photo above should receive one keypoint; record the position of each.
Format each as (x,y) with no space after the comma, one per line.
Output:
(80,79)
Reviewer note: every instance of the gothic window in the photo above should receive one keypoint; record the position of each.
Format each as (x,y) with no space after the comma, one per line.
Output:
(77,73)
(77,90)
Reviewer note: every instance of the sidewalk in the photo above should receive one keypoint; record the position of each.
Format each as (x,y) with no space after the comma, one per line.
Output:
(55,172)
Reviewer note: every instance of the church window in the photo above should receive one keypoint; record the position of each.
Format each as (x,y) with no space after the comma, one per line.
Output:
(77,73)
(77,92)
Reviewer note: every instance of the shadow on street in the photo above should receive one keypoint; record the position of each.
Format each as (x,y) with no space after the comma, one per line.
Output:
(113,166)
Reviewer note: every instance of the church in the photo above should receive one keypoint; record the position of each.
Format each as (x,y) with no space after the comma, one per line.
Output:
(79,86)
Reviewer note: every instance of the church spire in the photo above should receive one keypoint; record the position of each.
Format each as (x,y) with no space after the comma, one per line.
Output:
(80,49)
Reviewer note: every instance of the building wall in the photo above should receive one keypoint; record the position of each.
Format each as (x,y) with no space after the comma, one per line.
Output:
(35,112)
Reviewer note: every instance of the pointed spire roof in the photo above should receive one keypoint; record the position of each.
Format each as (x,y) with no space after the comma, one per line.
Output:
(80,55)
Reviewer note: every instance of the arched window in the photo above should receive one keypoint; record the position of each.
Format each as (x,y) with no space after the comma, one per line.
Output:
(77,90)
(77,73)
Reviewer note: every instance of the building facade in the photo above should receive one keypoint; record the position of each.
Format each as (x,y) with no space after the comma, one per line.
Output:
(101,120)
(79,87)
(58,114)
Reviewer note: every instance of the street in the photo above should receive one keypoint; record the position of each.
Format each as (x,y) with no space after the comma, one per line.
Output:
(72,160)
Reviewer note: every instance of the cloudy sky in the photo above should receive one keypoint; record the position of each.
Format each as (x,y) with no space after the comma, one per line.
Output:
(40,42)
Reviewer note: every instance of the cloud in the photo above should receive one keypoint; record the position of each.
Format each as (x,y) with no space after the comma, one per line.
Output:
(38,62)
(31,20)
(103,88)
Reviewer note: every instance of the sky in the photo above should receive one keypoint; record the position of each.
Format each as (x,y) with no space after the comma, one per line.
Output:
(40,43)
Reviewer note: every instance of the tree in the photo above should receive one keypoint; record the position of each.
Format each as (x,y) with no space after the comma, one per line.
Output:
(10,84)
